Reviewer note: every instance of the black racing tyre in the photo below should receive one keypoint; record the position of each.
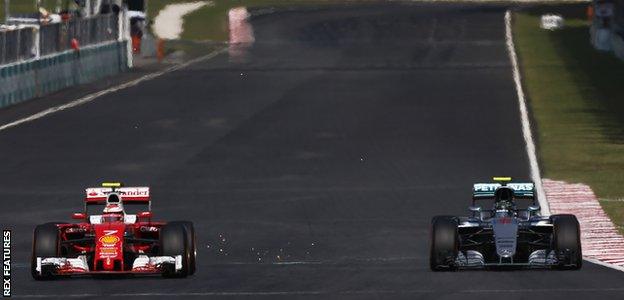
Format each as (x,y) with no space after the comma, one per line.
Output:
(45,244)
(190,244)
(173,243)
(566,242)
(444,243)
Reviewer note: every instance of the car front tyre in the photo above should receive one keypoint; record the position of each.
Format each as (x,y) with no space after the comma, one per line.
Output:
(566,242)
(190,244)
(444,244)
(45,244)
(173,242)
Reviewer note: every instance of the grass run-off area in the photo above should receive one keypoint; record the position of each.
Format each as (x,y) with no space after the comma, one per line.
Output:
(576,97)
(210,22)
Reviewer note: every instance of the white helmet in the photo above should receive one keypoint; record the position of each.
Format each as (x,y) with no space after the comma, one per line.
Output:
(113,204)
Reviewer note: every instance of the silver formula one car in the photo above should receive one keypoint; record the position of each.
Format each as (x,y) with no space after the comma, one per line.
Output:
(505,235)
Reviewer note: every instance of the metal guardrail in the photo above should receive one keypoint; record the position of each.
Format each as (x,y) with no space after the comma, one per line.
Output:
(35,59)
(57,37)
(17,45)
(35,40)
(38,77)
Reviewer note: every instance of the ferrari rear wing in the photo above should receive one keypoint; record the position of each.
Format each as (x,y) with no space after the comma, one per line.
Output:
(97,195)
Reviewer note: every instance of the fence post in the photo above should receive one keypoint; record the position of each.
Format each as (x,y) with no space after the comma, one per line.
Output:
(124,34)
(37,42)
(17,48)
(3,54)
(6,11)
(120,24)
(87,8)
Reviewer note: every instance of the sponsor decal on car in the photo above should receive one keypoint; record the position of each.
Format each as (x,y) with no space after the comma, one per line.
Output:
(148,229)
(108,253)
(109,244)
(134,192)
(109,240)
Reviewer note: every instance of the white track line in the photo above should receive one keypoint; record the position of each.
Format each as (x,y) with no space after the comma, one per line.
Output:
(93,96)
(328,293)
(604,264)
(524,117)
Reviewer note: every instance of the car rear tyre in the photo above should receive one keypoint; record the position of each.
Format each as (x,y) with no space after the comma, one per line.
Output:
(444,243)
(45,244)
(173,243)
(190,244)
(567,242)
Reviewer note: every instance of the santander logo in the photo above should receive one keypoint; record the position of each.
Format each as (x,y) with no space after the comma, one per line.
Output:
(135,192)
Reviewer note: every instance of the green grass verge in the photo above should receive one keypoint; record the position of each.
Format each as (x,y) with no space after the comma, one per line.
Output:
(577,100)
(154,6)
(17,7)
(210,23)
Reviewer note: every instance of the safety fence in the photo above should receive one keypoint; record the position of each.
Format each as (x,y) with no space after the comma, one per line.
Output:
(607,26)
(86,31)
(617,44)
(23,42)
(50,73)
(618,29)
(17,44)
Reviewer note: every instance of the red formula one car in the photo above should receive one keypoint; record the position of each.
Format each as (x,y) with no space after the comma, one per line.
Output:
(111,239)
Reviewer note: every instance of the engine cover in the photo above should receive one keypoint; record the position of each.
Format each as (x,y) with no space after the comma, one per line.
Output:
(505,236)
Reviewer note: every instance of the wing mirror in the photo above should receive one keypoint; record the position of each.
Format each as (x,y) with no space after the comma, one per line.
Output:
(145,215)
(474,208)
(533,208)
(79,216)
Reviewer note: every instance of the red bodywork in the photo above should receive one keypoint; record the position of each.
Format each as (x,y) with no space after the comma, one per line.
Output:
(108,246)
(111,245)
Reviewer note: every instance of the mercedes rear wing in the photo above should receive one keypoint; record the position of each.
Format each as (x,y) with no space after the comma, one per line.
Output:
(487,191)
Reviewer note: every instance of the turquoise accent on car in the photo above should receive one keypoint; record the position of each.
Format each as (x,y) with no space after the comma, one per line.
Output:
(487,190)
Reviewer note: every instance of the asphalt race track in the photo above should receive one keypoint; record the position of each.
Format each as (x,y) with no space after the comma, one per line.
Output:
(310,162)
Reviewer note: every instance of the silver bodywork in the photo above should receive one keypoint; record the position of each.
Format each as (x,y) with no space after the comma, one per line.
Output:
(505,236)
(505,230)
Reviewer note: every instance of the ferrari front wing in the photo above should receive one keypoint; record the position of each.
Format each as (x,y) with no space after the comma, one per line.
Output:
(143,264)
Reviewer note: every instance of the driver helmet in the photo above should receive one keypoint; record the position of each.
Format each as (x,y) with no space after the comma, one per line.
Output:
(114,211)
(504,198)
